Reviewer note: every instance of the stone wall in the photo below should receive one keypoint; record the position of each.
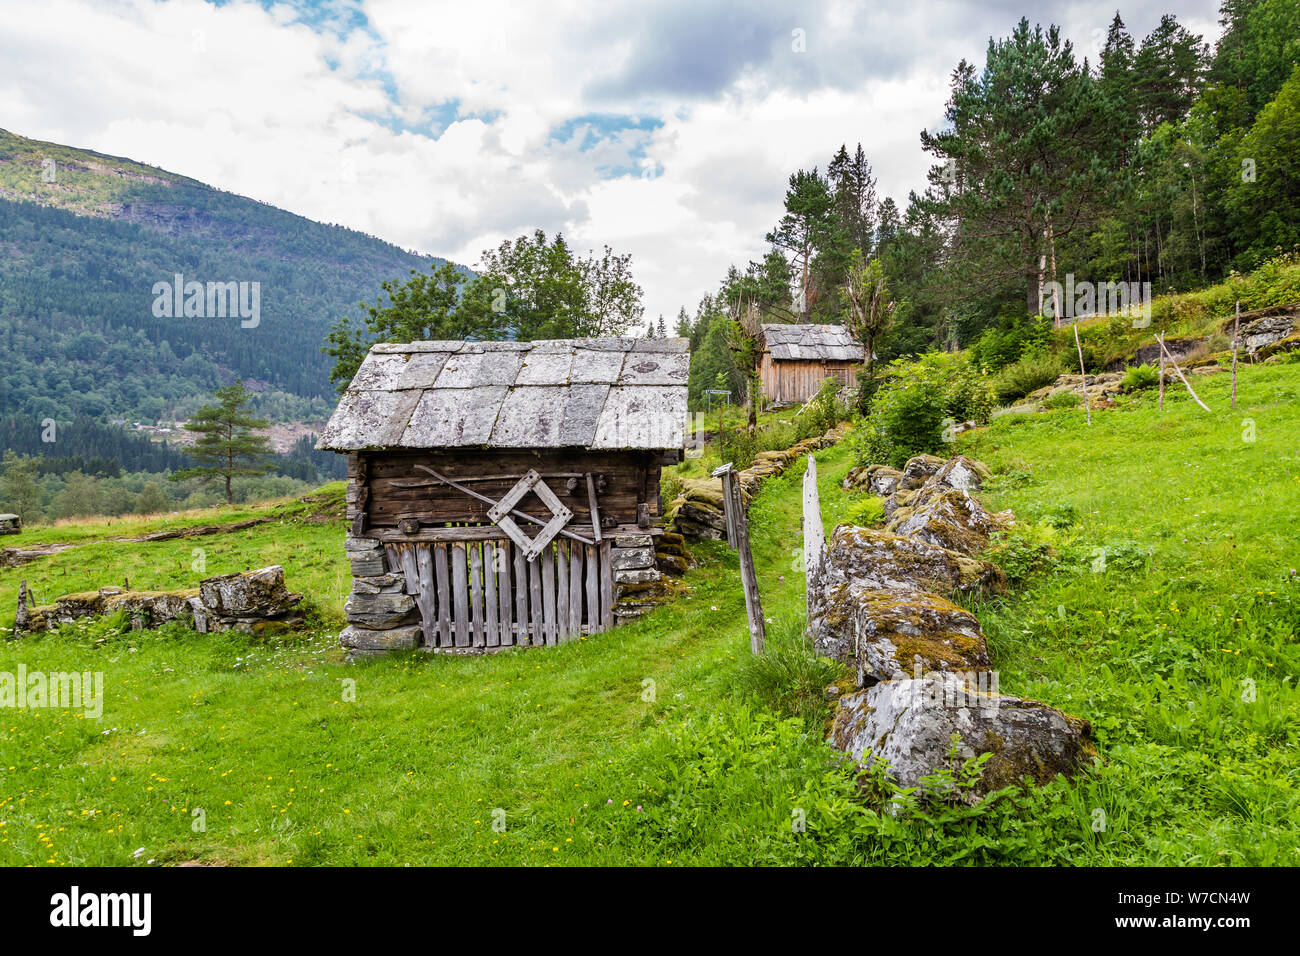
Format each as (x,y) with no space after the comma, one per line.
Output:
(254,602)
(879,601)
(697,513)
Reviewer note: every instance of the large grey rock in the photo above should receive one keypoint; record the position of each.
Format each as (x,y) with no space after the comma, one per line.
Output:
(948,518)
(887,561)
(625,559)
(918,470)
(886,635)
(380,611)
(909,725)
(392,639)
(259,593)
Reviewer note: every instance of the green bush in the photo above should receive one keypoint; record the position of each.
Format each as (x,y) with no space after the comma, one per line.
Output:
(1140,377)
(825,410)
(864,512)
(1063,400)
(1027,374)
(914,402)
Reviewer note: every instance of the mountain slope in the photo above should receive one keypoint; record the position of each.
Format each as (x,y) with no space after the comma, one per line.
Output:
(84,239)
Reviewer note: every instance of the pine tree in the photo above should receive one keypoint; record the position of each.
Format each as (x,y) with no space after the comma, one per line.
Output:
(1169,71)
(227,447)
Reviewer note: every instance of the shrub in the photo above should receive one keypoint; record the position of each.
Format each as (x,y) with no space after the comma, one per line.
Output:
(1063,400)
(914,402)
(1030,372)
(825,410)
(1139,377)
(864,512)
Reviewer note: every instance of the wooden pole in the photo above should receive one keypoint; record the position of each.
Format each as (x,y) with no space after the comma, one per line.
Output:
(1083,372)
(1236,329)
(1160,340)
(21,617)
(736,518)
(814,536)
(1179,373)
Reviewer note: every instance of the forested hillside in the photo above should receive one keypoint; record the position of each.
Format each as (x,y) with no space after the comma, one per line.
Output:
(84,238)
(1166,160)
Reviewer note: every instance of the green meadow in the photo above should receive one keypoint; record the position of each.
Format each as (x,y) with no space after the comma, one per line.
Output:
(1155,594)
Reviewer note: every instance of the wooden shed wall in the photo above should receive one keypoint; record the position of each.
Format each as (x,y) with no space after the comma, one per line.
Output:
(797,381)
(631,478)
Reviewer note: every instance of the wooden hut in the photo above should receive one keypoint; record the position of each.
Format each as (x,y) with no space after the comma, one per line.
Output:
(504,493)
(796,359)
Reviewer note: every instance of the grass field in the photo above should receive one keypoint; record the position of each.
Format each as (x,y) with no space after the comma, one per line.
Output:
(1157,598)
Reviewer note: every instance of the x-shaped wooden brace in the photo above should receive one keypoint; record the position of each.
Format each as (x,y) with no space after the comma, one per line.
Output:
(500,514)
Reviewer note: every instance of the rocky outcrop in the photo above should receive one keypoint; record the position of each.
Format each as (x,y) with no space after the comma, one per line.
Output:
(698,512)
(254,602)
(920,663)
(888,561)
(910,725)
(891,634)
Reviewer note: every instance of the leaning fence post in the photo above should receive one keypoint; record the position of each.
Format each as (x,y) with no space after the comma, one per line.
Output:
(814,535)
(1083,372)
(21,617)
(1182,377)
(738,523)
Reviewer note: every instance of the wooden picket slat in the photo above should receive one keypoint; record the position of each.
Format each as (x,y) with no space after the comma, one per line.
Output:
(426,602)
(504,596)
(476,594)
(493,635)
(548,595)
(459,598)
(606,588)
(444,594)
(575,589)
(521,596)
(562,589)
(593,588)
(535,599)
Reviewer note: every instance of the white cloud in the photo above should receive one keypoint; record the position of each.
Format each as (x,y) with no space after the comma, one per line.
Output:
(341,118)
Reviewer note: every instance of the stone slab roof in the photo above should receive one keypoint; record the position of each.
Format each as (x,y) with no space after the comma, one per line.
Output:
(605,393)
(812,343)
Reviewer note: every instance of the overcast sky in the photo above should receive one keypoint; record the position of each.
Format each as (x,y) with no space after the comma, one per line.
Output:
(667,130)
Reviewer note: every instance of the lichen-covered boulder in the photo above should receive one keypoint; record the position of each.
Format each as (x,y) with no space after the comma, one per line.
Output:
(949,519)
(880,480)
(879,559)
(909,724)
(148,609)
(890,634)
(259,593)
(960,473)
(918,470)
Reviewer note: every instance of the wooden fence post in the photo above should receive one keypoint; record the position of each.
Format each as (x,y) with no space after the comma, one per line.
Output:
(1083,372)
(814,535)
(1182,377)
(1160,340)
(737,520)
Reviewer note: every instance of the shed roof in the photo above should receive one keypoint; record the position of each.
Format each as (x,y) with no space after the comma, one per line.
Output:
(604,393)
(815,343)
